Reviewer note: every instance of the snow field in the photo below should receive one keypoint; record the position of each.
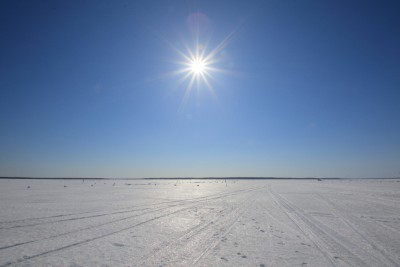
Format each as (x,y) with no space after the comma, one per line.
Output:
(199,223)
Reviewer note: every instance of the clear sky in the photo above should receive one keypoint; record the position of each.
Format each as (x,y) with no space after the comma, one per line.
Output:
(291,88)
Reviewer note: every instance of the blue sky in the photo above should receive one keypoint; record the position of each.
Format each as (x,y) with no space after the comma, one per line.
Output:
(307,89)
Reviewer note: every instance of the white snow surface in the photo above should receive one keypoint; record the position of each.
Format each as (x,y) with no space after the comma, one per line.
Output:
(199,223)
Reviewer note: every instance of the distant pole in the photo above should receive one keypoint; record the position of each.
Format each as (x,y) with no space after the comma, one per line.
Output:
(226,184)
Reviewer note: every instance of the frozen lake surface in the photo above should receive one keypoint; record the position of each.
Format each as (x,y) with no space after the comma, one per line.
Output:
(199,223)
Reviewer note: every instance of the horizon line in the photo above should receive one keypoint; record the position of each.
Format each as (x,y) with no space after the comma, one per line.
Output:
(194,178)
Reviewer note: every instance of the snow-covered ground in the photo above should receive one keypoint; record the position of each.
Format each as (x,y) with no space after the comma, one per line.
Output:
(199,223)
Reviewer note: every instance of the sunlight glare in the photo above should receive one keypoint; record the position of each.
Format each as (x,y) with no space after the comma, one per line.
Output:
(198,66)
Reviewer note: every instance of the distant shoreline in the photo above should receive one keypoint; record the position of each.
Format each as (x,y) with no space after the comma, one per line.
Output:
(195,178)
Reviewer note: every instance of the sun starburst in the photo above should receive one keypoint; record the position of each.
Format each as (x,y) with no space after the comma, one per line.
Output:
(200,64)
(197,68)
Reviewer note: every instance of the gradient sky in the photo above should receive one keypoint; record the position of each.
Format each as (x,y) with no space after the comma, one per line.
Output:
(308,89)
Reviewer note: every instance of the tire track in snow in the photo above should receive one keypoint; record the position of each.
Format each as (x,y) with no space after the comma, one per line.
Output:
(105,214)
(390,207)
(304,228)
(86,228)
(383,225)
(45,217)
(196,203)
(25,258)
(332,238)
(357,195)
(187,235)
(370,243)
(240,212)
(215,196)
(181,243)
(271,236)
(74,219)
(113,213)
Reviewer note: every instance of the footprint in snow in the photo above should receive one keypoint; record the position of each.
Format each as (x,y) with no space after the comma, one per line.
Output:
(224,259)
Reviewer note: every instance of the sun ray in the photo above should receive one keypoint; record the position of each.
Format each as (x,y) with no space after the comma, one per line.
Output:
(187,94)
(207,83)
(198,62)
(196,66)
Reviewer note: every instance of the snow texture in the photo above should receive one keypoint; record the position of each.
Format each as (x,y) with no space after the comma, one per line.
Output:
(199,223)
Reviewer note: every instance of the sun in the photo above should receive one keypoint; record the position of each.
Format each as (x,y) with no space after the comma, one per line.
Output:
(198,66)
